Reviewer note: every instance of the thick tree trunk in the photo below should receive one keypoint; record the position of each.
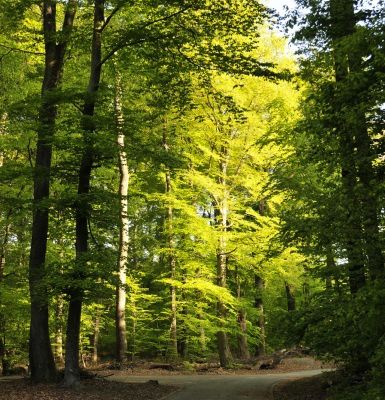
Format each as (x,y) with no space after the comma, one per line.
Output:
(40,353)
(120,318)
(290,297)
(72,373)
(243,347)
(258,303)
(357,156)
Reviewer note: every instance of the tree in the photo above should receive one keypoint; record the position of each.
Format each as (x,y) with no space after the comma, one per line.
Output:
(121,340)
(41,358)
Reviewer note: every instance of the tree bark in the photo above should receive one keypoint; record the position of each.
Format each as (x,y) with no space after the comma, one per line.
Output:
(243,347)
(221,214)
(258,303)
(120,319)
(171,254)
(95,338)
(290,297)
(358,173)
(72,371)
(40,353)
(59,329)
(2,316)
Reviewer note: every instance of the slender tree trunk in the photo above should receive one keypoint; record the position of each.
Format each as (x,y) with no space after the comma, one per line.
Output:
(259,287)
(40,353)
(2,316)
(332,270)
(120,318)
(59,329)
(221,212)
(243,347)
(202,339)
(133,329)
(95,338)
(3,131)
(183,338)
(72,372)
(171,254)
(290,297)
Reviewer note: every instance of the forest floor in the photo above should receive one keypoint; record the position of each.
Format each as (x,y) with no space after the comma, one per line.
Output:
(310,388)
(95,389)
(287,364)
(139,381)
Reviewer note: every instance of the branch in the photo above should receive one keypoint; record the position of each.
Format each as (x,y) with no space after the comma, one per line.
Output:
(108,19)
(125,42)
(227,252)
(91,234)
(67,27)
(69,15)
(30,154)
(21,50)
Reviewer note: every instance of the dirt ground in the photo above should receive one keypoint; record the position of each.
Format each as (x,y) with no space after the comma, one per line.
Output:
(314,388)
(289,364)
(101,389)
(95,389)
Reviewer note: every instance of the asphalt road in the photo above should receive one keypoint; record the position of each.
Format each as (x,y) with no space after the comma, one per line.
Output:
(220,387)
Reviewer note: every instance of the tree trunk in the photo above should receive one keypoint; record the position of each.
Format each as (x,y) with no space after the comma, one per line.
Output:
(356,151)
(243,347)
(332,271)
(2,316)
(120,318)
(259,287)
(72,372)
(290,297)
(95,338)
(59,329)
(3,130)
(221,214)
(183,338)
(40,353)
(171,254)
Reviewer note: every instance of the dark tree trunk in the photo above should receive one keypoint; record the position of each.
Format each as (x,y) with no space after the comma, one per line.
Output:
(258,303)
(40,353)
(357,156)
(290,297)
(71,373)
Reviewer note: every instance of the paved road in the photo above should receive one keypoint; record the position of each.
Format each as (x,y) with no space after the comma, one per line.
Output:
(220,387)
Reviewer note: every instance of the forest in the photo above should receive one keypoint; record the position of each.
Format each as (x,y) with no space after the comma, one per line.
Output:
(187,180)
